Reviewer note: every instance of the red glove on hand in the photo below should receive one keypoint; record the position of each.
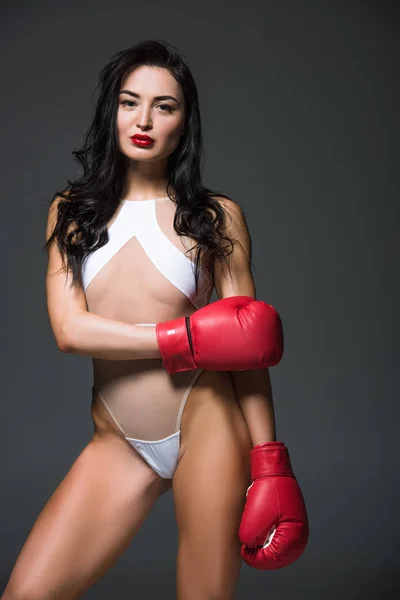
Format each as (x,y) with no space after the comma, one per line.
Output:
(232,334)
(274,527)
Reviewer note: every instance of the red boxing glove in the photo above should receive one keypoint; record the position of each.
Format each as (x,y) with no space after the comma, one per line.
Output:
(274,528)
(232,334)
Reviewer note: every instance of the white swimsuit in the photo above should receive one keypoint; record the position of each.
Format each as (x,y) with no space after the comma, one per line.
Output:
(142,276)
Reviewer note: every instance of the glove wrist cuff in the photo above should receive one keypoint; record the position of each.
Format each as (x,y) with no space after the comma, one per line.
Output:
(270,459)
(173,342)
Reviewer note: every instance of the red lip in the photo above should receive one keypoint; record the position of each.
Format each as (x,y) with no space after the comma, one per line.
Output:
(142,138)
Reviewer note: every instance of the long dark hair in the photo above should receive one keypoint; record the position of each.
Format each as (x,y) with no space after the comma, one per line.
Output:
(88,203)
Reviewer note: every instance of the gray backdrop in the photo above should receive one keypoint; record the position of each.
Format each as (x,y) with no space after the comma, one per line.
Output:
(300,113)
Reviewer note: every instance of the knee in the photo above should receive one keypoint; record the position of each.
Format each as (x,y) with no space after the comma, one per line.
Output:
(25,592)
(222,588)
(219,595)
(201,575)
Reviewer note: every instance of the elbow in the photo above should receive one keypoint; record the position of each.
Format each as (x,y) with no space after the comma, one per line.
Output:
(274,336)
(64,346)
(64,340)
(279,347)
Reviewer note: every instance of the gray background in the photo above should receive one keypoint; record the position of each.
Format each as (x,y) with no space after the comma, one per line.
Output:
(300,112)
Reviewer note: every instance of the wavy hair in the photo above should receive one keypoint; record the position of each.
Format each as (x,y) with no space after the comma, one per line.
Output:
(88,203)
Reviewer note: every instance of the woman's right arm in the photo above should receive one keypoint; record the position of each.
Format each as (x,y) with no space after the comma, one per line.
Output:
(78,331)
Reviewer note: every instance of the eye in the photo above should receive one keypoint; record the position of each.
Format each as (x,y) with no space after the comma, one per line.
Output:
(167,107)
(132,103)
(127,102)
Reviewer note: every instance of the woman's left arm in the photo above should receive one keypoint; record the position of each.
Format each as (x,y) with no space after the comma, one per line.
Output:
(274,526)
(253,388)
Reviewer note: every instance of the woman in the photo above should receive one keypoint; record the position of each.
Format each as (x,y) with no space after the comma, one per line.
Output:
(139,241)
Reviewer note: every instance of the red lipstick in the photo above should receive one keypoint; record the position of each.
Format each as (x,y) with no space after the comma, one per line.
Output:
(142,140)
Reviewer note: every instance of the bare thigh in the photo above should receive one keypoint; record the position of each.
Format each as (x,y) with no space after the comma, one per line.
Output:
(209,489)
(88,521)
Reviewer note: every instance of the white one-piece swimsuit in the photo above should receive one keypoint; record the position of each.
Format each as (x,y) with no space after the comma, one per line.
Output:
(142,276)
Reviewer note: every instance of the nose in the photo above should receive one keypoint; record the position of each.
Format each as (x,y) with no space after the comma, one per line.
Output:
(144,119)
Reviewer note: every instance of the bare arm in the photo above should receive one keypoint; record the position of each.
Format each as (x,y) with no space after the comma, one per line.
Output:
(253,388)
(78,331)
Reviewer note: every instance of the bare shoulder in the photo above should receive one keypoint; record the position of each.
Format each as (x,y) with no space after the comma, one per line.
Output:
(53,214)
(228,204)
(234,277)
(235,221)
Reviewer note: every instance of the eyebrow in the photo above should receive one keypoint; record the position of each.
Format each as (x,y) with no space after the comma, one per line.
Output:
(155,97)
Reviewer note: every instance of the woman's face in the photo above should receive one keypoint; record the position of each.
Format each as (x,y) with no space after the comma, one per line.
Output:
(141,112)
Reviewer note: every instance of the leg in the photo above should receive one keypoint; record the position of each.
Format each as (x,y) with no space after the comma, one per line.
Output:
(88,522)
(209,489)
